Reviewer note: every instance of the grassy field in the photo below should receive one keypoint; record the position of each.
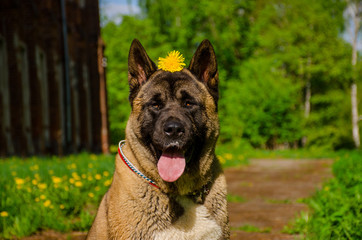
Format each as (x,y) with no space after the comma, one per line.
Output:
(52,193)
(63,193)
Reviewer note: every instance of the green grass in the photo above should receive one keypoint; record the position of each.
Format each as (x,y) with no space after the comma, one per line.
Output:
(336,209)
(51,193)
(235,198)
(251,228)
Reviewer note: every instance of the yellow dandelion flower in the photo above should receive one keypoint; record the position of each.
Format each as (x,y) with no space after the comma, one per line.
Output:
(61,206)
(90,178)
(37,199)
(97,188)
(42,186)
(19,181)
(35,167)
(47,203)
(84,176)
(73,165)
(228,156)
(91,195)
(221,159)
(78,184)
(42,197)
(98,176)
(93,157)
(105,173)
(66,188)
(37,176)
(172,63)
(71,180)
(108,182)
(34,182)
(4,214)
(56,179)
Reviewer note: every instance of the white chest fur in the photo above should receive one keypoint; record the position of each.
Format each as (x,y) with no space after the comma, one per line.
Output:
(195,224)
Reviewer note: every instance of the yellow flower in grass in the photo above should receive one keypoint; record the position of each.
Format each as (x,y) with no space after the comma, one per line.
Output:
(4,214)
(42,197)
(228,156)
(51,172)
(47,203)
(93,157)
(108,182)
(61,206)
(37,199)
(71,180)
(78,184)
(105,173)
(34,182)
(91,195)
(98,176)
(84,176)
(19,181)
(42,186)
(97,188)
(90,178)
(56,179)
(172,63)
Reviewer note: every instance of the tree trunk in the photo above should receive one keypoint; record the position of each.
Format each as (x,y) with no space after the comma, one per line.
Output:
(355,118)
(308,94)
(355,13)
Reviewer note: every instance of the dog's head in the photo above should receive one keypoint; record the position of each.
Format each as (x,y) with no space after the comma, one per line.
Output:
(174,114)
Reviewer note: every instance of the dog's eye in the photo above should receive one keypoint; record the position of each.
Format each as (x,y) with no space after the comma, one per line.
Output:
(156,106)
(188,104)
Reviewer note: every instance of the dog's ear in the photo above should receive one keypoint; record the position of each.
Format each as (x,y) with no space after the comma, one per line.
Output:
(140,67)
(204,66)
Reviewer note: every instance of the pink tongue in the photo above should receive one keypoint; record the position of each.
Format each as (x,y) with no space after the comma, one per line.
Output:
(171,165)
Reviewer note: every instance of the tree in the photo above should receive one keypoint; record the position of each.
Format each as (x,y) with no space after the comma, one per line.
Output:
(354,11)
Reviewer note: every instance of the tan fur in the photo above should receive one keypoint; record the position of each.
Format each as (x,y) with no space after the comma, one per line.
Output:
(133,209)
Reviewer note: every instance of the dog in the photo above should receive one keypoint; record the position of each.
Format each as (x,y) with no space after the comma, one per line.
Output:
(179,189)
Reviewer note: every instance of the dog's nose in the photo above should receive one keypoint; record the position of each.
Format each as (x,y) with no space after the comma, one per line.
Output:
(174,129)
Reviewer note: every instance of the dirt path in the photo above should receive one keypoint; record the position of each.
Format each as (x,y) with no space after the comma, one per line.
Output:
(265,195)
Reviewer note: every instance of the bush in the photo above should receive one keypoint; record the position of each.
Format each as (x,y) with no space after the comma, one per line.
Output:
(336,209)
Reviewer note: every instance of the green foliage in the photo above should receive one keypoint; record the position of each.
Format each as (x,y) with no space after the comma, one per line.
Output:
(265,109)
(267,51)
(337,207)
(51,193)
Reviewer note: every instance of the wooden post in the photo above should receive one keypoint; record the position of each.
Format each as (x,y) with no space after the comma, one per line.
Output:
(103,97)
